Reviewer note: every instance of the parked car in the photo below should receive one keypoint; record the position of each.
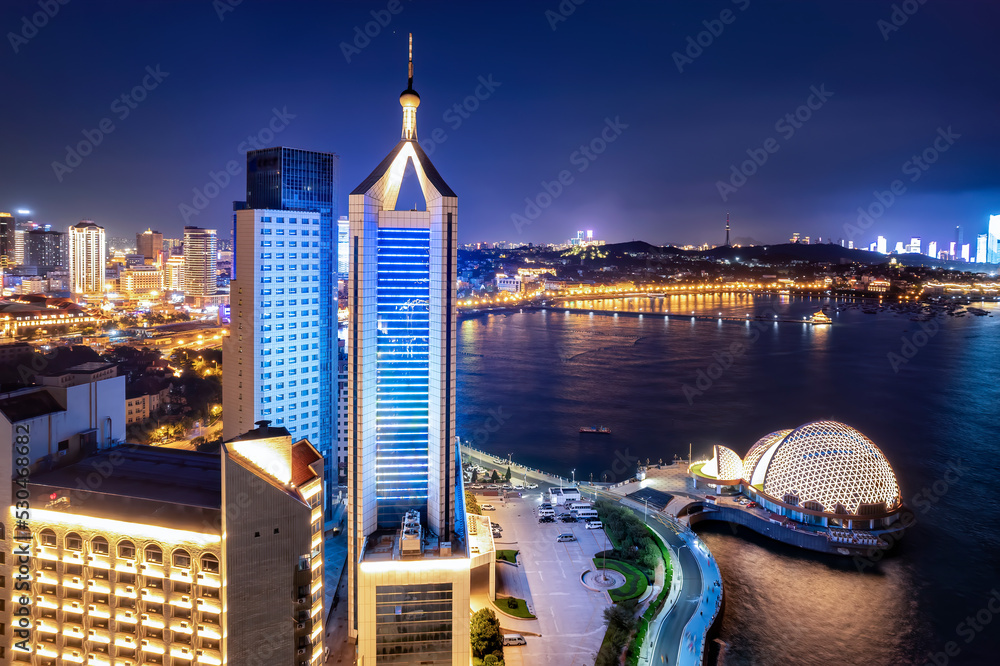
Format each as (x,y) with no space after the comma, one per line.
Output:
(547,519)
(487,507)
(565,537)
(752,505)
(531,486)
(567,518)
(594,525)
(514,639)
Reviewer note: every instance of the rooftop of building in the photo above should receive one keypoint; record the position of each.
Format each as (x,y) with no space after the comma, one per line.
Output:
(87,368)
(28,403)
(169,476)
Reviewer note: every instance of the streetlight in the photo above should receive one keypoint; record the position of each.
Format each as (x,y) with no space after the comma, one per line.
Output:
(573,473)
(645,510)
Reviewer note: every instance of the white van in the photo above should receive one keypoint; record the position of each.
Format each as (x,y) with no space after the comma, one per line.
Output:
(585,514)
(580,505)
(542,513)
(514,639)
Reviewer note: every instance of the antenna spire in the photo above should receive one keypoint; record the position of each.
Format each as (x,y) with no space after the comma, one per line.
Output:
(727,228)
(410,85)
(410,100)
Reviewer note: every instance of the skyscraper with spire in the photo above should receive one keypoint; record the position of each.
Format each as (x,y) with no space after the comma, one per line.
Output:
(727,229)
(409,559)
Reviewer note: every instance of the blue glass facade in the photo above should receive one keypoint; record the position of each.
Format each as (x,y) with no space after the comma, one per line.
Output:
(303,180)
(403,373)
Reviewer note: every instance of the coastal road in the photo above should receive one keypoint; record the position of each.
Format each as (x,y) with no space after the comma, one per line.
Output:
(666,644)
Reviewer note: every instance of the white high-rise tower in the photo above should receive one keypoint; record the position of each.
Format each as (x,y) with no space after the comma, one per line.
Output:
(87,256)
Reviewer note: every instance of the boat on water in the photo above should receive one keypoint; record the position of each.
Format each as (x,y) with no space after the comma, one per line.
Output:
(595,430)
(821,318)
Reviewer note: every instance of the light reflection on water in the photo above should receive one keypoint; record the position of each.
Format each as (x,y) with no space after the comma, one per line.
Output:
(552,373)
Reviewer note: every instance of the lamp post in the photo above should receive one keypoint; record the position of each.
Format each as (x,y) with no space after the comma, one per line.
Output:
(645,509)
(573,474)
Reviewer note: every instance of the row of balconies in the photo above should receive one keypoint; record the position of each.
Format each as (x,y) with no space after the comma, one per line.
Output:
(125,654)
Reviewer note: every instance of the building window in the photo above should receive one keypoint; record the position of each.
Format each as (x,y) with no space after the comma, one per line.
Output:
(210,564)
(99,546)
(182,559)
(126,550)
(47,538)
(73,541)
(154,554)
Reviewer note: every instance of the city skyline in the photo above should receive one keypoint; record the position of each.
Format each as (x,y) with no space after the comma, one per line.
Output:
(869,125)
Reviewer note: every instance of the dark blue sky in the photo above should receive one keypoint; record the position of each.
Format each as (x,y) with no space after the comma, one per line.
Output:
(658,180)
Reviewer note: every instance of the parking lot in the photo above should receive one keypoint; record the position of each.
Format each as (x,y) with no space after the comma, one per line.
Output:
(569,616)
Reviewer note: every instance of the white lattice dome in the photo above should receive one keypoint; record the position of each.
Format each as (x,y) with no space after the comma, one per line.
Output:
(725,465)
(825,466)
(757,453)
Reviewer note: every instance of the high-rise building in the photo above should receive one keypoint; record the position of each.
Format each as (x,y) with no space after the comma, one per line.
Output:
(173,273)
(882,245)
(87,256)
(951,250)
(914,246)
(200,259)
(272,356)
(992,239)
(8,225)
(965,252)
(343,231)
(285,183)
(932,249)
(150,245)
(899,249)
(408,557)
(151,555)
(45,250)
(19,246)
(982,247)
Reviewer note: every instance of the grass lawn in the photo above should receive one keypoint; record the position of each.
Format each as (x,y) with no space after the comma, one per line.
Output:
(635,581)
(521,610)
(507,555)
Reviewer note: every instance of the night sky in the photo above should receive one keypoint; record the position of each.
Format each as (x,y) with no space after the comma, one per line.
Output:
(678,133)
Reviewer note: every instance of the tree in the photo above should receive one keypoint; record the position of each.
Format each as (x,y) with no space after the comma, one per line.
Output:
(475,476)
(484,633)
(506,477)
(494,478)
(472,504)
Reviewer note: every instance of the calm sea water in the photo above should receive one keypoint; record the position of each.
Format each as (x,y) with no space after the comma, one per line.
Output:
(544,375)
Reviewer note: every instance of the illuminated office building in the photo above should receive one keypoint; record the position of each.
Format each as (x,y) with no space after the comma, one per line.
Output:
(150,245)
(148,555)
(882,245)
(280,357)
(932,249)
(982,248)
(409,559)
(343,232)
(992,239)
(87,255)
(201,257)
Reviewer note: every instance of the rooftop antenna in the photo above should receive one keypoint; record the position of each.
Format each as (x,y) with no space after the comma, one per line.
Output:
(727,228)
(410,83)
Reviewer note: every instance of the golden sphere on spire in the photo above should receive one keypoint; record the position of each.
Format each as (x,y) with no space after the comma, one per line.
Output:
(409,98)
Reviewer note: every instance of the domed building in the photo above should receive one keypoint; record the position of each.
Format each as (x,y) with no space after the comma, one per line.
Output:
(823,473)
(724,469)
